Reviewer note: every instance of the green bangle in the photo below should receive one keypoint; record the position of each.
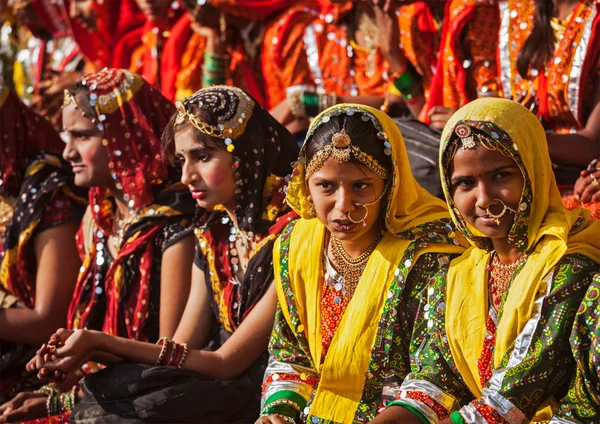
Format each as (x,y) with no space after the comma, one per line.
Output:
(411,408)
(311,103)
(457,418)
(289,395)
(408,81)
(286,410)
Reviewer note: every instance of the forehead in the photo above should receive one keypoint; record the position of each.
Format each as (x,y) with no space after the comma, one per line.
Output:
(73,118)
(352,170)
(478,159)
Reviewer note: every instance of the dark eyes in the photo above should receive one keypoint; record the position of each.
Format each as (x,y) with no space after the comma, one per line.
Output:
(328,186)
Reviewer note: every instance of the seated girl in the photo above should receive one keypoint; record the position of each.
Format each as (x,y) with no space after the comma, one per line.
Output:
(348,271)
(40,210)
(234,158)
(496,347)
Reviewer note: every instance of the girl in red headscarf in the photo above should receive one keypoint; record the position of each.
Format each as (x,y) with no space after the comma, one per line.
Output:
(40,211)
(136,240)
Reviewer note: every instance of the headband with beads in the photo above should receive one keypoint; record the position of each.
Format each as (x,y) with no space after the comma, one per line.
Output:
(232,107)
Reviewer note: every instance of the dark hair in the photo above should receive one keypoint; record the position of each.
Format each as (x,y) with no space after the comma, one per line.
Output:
(204,115)
(363,134)
(539,47)
(81,93)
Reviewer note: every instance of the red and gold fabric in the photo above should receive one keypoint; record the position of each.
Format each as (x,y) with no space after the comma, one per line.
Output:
(36,192)
(466,65)
(115,295)
(310,45)
(563,90)
(117,34)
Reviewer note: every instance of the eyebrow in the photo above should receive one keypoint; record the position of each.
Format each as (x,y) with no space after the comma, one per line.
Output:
(82,131)
(360,180)
(198,149)
(491,171)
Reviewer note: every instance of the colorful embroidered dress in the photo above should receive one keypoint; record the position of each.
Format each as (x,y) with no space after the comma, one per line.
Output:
(36,187)
(563,91)
(121,295)
(507,366)
(339,362)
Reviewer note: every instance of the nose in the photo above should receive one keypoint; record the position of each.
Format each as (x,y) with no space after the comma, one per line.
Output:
(485,196)
(343,202)
(69,153)
(188,173)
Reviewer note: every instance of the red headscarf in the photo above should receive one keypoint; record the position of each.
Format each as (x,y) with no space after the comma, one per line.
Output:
(132,116)
(24,133)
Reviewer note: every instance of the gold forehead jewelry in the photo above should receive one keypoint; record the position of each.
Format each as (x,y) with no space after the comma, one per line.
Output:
(466,136)
(68,98)
(203,127)
(342,149)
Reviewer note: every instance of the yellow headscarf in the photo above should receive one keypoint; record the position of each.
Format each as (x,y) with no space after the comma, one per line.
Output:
(543,229)
(411,213)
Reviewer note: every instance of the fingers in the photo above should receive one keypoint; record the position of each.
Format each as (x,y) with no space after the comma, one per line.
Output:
(596,196)
(591,188)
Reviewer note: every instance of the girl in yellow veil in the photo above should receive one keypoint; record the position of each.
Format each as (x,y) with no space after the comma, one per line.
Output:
(349,272)
(496,349)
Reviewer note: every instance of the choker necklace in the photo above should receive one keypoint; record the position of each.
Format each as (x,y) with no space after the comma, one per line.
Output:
(351,268)
(122,227)
(501,276)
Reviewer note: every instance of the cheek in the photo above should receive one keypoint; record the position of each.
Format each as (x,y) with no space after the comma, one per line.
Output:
(94,155)
(465,203)
(217,175)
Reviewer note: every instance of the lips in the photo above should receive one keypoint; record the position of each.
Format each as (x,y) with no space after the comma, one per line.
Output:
(77,168)
(488,220)
(198,194)
(344,225)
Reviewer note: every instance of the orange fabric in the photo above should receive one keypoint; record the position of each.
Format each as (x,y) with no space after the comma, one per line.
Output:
(469,33)
(285,61)
(593,207)
(551,89)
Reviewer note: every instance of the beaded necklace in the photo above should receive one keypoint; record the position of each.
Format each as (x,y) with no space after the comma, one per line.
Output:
(500,278)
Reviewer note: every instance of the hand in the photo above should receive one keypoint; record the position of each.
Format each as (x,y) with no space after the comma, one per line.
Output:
(439,116)
(66,352)
(272,419)
(283,114)
(587,187)
(389,33)
(23,407)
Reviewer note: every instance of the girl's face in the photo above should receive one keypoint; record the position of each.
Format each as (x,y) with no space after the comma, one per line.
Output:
(207,171)
(84,12)
(84,150)
(337,189)
(482,179)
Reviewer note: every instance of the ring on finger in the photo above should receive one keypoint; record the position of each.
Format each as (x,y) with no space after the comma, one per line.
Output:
(595,181)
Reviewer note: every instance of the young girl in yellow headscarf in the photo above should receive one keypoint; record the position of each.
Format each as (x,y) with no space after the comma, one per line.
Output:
(349,272)
(496,348)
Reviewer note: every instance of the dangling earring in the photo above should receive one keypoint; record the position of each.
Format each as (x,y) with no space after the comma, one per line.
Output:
(312,213)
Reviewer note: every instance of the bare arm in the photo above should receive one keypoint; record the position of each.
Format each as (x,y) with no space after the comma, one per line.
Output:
(236,355)
(57,269)
(580,148)
(175,278)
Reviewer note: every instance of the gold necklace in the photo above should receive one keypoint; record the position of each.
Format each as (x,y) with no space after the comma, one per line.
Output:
(501,276)
(122,226)
(351,268)
(8,204)
(370,32)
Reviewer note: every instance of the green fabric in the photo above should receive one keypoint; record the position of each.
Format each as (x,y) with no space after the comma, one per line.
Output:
(411,408)
(457,418)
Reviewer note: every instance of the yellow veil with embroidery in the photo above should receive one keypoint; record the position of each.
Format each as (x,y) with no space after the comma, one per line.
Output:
(411,212)
(543,229)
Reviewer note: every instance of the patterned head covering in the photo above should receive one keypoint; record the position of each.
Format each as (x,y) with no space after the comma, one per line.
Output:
(131,115)
(262,149)
(252,9)
(542,228)
(24,133)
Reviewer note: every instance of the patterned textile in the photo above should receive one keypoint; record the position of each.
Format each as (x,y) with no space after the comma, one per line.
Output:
(117,34)
(132,115)
(563,94)
(580,405)
(538,368)
(36,192)
(313,45)
(593,207)
(267,149)
(466,65)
